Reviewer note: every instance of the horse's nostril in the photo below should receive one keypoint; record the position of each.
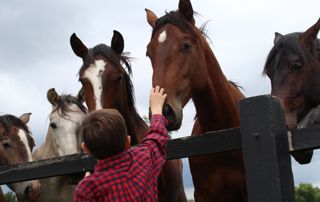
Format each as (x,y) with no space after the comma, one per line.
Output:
(53,125)
(27,191)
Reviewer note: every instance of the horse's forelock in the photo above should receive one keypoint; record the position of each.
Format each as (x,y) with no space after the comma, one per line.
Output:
(8,121)
(63,102)
(199,35)
(289,43)
(175,18)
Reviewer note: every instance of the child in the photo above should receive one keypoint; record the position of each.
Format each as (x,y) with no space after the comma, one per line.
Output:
(122,174)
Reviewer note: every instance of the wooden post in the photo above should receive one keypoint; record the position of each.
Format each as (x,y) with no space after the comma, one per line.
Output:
(265,149)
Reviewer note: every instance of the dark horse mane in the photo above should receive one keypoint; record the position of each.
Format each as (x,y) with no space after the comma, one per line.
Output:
(8,120)
(119,61)
(290,44)
(63,102)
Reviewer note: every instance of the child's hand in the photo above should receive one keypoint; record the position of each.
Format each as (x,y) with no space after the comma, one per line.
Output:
(157,98)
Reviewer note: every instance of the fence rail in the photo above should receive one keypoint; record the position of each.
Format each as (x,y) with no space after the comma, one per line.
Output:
(262,136)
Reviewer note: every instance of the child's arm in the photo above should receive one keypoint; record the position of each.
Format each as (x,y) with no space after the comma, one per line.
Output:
(157,136)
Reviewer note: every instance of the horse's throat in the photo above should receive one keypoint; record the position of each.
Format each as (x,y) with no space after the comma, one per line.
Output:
(216,105)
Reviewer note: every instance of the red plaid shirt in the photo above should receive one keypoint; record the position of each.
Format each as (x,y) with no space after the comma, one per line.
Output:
(131,175)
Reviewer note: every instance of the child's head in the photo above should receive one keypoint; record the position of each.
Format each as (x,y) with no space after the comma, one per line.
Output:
(104,133)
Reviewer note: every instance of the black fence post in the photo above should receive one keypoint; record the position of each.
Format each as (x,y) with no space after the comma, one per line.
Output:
(265,149)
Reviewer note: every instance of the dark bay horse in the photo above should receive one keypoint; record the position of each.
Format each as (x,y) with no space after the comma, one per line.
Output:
(62,139)
(293,66)
(16,144)
(185,66)
(107,84)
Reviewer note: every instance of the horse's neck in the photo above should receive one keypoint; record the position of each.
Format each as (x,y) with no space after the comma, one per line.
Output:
(46,150)
(136,127)
(216,102)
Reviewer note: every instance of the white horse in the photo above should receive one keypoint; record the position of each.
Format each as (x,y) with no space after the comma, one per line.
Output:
(62,139)
(16,144)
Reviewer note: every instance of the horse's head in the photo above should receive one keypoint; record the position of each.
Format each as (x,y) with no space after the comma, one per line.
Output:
(65,119)
(293,66)
(16,145)
(176,50)
(105,82)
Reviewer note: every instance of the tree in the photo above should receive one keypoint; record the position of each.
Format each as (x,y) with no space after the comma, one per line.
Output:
(10,197)
(307,193)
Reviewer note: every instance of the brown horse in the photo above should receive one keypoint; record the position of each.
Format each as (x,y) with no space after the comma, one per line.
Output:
(293,66)
(16,144)
(184,65)
(107,84)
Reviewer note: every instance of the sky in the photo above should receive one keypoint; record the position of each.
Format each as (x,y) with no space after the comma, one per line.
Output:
(35,54)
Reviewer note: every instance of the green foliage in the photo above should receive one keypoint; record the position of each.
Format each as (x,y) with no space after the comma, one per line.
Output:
(307,193)
(10,197)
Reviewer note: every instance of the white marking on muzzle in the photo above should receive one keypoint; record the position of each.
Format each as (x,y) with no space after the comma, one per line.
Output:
(162,37)
(94,75)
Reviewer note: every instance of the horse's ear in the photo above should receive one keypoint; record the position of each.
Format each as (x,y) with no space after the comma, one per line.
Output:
(80,95)
(151,17)
(186,10)
(277,37)
(117,42)
(309,37)
(52,96)
(25,118)
(77,46)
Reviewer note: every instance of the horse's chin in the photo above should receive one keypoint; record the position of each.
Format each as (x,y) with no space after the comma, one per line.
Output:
(174,125)
(174,122)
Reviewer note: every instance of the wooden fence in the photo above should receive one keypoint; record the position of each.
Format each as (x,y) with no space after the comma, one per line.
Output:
(262,136)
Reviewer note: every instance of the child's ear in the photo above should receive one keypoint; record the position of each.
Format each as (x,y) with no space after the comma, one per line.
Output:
(85,148)
(128,143)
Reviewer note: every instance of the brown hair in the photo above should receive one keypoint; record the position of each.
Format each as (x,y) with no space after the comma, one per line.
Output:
(104,133)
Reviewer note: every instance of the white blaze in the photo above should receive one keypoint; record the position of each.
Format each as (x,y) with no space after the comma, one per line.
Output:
(94,75)
(23,137)
(162,37)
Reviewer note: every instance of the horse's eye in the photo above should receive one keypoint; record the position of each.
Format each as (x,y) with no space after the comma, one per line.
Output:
(297,65)
(186,46)
(53,125)
(6,145)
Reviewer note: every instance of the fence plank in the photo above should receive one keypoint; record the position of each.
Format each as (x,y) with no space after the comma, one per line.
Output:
(46,168)
(306,138)
(265,148)
(208,143)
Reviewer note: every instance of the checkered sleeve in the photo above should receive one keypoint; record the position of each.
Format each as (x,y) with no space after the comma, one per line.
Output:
(157,139)
(84,191)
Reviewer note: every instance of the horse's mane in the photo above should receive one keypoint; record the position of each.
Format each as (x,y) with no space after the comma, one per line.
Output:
(289,44)
(8,120)
(63,102)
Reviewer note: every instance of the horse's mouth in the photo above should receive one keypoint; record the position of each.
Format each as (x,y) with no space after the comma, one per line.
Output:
(174,117)
(174,125)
